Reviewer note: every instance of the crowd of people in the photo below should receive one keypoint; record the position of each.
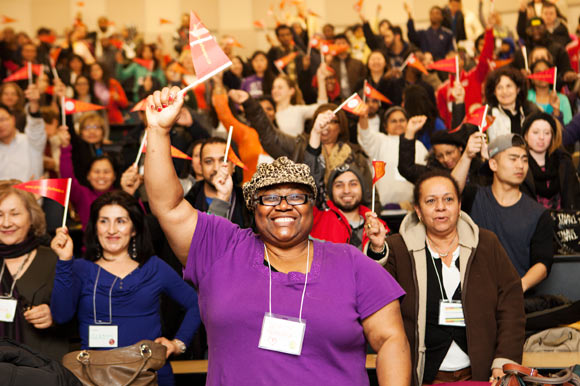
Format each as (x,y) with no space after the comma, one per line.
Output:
(291,265)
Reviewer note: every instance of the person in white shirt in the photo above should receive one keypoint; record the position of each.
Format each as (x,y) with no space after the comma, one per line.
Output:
(392,188)
(21,153)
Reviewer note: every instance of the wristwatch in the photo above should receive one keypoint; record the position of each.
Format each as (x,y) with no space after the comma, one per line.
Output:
(180,345)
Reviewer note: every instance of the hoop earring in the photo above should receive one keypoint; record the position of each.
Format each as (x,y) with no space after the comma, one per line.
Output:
(134,248)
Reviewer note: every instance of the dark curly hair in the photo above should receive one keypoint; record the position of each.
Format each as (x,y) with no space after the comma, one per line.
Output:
(493,79)
(342,120)
(432,174)
(142,236)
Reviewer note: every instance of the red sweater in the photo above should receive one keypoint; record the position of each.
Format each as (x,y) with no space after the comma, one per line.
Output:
(472,81)
(331,225)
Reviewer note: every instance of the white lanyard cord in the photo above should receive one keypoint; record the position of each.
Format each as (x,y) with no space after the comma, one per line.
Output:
(438,278)
(110,301)
(305,280)
(16,277)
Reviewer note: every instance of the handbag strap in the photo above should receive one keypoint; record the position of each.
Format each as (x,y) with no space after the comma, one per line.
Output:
(513,368)
(85,359)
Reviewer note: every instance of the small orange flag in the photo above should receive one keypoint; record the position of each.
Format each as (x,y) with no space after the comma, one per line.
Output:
(416,63)
(164,21)
(371,92)
(72,106)
(22,73)
(495,64)
(232,41)
(259,24)
(282,4)
(55,53)
(285,60)
(235,160)
(312,13)
(53,188)
(379,167)
(175,152)
(81,3)
(358,5)
(333,49)
(5,19)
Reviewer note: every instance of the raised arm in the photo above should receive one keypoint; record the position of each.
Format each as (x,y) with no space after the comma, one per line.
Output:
(176,216)
(461,170)
(407,166)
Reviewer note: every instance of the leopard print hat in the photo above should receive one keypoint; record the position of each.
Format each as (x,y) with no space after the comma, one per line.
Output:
(281,171)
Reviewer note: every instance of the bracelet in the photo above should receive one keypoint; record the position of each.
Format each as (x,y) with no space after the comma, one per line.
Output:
(382,251)
(180,345)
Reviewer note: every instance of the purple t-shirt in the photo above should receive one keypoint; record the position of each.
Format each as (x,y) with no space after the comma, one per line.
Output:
(226,264)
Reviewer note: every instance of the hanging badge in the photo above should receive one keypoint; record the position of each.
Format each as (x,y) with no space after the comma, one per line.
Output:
(282,333)
(7,310)
(103,336)
(451,313)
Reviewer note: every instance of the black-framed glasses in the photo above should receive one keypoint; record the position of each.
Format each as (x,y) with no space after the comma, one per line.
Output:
(291,199)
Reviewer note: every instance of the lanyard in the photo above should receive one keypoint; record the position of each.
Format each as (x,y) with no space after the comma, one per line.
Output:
(110,301)
(437,272)
(16,277)
(305,281)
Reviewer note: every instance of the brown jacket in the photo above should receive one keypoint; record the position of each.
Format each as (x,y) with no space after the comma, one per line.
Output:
(491,293)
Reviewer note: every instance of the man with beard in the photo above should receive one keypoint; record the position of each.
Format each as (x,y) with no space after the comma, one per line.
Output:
(226,202)
(523,226)
(346,220)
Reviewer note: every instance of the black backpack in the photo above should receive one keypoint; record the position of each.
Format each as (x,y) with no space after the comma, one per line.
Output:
(22,366)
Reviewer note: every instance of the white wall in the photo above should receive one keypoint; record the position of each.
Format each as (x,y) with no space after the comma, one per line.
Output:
(229,16)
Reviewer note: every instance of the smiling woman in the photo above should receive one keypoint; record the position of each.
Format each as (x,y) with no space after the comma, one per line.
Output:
(303,307)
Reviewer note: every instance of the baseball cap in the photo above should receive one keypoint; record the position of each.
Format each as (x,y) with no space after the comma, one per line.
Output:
(504,142)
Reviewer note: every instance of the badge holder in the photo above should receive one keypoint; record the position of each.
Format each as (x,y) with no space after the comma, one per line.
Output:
(450,311)
(281,333)
(7,302)
(103,334)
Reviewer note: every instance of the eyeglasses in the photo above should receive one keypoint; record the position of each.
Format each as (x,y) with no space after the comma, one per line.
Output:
(291,199)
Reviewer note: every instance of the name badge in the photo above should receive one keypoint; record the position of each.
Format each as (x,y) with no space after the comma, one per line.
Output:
(103,336)
(451,313)
(7,310)
(282,333)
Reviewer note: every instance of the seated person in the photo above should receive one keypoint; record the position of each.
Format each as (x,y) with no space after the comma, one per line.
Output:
(21,153)
(523,226)
(346,220)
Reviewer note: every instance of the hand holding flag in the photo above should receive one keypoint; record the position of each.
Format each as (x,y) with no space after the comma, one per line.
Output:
(353,104)
(412,61)
(379,168)
(57,189)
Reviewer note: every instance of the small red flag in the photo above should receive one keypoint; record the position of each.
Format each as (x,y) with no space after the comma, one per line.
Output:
(573,48)
(72,106)
(164,21)
(282,4)
(285,60)
(259,24)
(548,75)
(371,92)
(5,19)
(147,63)
(412,61)
(49,39)
(333,49)
(81,3)
(447,65)
(53,188)
(476,118)
(358,5)
(116,42)
(379,167)
(22,73)
(355,105)
(208,58)
(175,152)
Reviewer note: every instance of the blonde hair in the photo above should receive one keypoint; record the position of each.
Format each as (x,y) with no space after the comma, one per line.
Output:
(297,98)
(19,106)
(556,138)
(92,116)
(35,212)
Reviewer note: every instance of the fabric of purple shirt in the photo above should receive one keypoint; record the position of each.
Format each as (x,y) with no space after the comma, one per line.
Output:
(344,287)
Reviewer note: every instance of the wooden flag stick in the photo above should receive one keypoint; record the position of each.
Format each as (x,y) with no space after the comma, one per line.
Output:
(63,110)
(184,90)
(143,141)
(344,103)
(365,91)
(483,119)
(373,198)
(66,202)
(29,64)
(555,77)
(525,55)
(228,144)
(457,67)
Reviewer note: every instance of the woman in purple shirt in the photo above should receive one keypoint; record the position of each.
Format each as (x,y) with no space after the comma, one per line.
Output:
(277,306)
